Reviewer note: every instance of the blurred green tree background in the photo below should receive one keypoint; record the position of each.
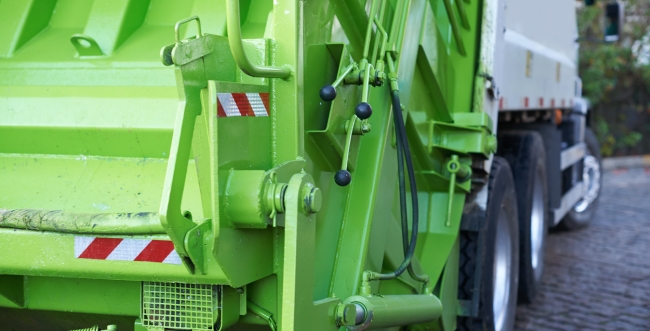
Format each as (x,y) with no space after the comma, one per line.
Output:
(616,77)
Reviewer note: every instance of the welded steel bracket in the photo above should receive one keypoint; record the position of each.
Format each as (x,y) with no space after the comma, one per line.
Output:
(459,138)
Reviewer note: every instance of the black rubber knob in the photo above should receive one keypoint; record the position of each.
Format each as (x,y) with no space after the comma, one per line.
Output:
(328,93)
(342,178)
(363,110)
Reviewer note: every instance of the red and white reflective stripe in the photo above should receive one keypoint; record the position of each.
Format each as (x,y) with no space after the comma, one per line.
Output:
(242,104)
(123,249)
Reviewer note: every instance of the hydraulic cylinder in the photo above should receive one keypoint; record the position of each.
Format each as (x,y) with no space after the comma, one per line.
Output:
(383,311)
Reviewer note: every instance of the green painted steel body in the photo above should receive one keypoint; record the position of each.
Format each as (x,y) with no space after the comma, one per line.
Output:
(93,124)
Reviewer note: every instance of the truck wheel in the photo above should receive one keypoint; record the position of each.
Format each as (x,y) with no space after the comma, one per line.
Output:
(527,157)
(500,253)
(582,213)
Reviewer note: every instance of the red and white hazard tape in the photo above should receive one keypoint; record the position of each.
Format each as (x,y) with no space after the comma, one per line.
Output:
(242,104)
(542,103)
(123,249)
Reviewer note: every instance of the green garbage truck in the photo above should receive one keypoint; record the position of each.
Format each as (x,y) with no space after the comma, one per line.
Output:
(285,164)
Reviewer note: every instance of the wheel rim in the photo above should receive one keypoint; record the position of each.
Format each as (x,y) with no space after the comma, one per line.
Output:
(502,271)
(537,228)
(590,182)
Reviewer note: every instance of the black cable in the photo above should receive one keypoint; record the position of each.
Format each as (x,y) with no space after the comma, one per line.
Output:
(403,211)
(402,190)
(414,193)
(402,143)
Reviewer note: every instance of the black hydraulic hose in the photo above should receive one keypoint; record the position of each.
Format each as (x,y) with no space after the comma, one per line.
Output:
(403,211)
(402,193)
(411,171)
(402,143)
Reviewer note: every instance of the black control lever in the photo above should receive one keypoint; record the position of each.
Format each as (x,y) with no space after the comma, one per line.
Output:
(328,92)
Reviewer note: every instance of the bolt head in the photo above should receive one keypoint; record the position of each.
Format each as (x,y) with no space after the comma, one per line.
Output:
(345,314)
(363,110)
(453,166)
(349,314)
(328,93)
(315,200)
(342,178)
(365,128)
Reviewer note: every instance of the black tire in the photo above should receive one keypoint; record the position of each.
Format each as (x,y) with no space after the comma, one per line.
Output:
(500,231)
(525,152)
(578,218)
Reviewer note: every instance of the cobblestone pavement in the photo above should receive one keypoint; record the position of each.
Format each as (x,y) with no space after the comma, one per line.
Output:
(598,278)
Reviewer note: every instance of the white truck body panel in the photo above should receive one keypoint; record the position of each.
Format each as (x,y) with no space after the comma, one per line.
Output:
(539,55)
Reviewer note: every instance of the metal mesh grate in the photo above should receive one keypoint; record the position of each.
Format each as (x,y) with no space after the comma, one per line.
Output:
(179,305)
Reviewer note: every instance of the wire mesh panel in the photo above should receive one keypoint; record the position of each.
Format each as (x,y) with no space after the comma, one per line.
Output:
(179,306)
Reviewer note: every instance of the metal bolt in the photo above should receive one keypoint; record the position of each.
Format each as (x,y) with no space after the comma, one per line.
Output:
(314,200)
(350,314)
(453,165)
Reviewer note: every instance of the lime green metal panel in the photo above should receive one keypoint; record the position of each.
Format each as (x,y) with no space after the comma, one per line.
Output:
(92,184)
(84,295)
(436,72)
(466,66)
(25,19)
(438,237)
(91,296)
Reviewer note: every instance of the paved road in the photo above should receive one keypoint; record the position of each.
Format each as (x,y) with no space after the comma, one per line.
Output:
(598,278)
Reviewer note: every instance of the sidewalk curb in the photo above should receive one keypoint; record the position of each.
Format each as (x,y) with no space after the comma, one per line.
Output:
(640,161)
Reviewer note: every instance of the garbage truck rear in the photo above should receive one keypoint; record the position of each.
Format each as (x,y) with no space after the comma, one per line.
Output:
(285,165)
